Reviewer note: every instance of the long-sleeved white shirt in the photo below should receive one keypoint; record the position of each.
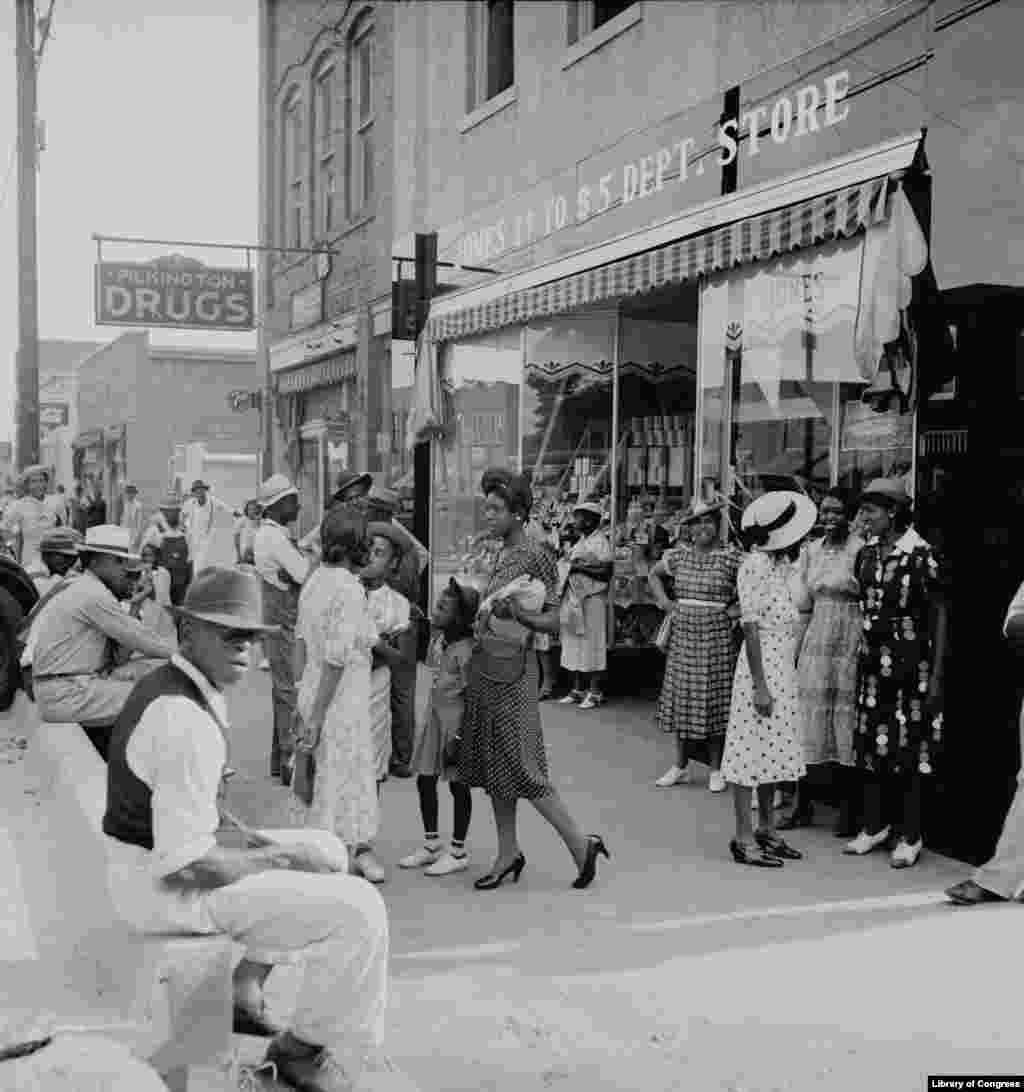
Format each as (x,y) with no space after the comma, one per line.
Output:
(274,551)
(178,750)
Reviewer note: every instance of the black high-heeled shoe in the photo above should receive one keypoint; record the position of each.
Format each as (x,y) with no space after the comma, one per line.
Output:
(595,847)
(746,854)
(491,881)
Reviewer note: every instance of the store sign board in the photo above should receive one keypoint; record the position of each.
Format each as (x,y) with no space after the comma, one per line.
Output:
(669,158)
(166,295)
(325,340)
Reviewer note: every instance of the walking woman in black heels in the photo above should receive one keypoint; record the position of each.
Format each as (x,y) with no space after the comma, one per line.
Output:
(502,742)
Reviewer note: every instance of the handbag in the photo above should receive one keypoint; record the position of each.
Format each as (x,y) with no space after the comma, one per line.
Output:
(500,659)
(304,775)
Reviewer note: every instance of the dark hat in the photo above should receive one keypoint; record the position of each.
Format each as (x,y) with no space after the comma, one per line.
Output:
(229,598)
(892,491)
(61,540)
(199,484)
(348,478)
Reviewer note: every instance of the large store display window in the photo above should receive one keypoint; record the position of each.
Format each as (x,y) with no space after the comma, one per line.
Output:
(781,393)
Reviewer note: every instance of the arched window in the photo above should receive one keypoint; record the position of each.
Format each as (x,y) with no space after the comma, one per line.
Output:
(324,87)
(293,169)
(361,182)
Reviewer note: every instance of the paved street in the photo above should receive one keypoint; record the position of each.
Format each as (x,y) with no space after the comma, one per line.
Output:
(678,969)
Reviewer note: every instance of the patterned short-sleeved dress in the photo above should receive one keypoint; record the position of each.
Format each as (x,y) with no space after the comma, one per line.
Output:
(765,750)
(502,742)
(448,665)
(335,624)
(827,671)
(701,661)
(894,731)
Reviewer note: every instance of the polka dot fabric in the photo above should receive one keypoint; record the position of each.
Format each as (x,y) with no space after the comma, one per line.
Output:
(764,750)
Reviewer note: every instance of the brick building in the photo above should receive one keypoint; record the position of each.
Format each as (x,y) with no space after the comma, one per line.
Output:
(136,403)
(684,207)
(326,181)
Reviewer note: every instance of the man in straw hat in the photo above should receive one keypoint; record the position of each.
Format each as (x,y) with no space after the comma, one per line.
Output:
(282,569)
(209,527)
(131,513)
(79,635)
(286,897)
(29,518)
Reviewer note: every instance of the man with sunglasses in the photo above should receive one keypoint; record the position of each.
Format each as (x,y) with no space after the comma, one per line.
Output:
(84,632)
(286,897)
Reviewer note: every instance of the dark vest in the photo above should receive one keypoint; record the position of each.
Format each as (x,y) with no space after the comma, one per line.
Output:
(129,816)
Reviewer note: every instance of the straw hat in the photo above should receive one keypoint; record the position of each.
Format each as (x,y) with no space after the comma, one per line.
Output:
(389,531)
(130,487)
(61,540)
(275,489)
(31,471)
(348,478)
(387,500)
(229,598)
(779,519)
(199,484)
(887,490)
(109,539)
(700,509)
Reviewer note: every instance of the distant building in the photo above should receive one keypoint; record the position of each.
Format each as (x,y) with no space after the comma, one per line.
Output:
(138,403)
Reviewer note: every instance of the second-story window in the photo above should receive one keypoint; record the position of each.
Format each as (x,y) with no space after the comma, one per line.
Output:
(362,183)
(294,169)
(587,15)
(491,58)
(324,174)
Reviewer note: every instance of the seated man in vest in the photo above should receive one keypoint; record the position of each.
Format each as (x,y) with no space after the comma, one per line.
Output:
(286,898)
(81,634)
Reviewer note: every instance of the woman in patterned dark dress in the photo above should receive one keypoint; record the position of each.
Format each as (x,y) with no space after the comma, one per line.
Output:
(899,732)
(701,659)
(502,743)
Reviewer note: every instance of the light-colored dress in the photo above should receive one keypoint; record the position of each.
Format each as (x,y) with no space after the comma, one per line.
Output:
(584,611)
(335,625)
(764,750)
(827,670)
(449,670)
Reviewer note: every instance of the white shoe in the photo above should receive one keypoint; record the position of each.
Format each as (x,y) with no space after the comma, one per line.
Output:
(905,855)
(448,863)
(865,843)
(370,868)
(592,701)
(570,699)
(716,782)
(422,856)
(675,776)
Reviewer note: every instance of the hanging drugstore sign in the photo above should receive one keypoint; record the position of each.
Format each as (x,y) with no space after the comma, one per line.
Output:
(673,159)
(174,292)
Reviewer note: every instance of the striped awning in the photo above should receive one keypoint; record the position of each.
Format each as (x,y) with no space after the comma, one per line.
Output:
(834,215)
(321,373)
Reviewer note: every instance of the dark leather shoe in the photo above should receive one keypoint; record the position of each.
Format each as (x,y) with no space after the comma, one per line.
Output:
(399,770)
(247,1022)
(969,893)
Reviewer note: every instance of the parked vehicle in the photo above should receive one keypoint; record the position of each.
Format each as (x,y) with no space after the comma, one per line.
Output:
(18,596)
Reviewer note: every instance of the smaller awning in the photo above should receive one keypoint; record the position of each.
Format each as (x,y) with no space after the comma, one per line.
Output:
(322,373)
(834,201)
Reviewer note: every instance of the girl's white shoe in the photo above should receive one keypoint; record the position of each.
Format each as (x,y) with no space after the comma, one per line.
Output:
(905,855)
(675,775)
(425,855)
(716,782)
(448,863)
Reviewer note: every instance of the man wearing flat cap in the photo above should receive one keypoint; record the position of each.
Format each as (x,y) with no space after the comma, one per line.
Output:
(29,518)
(283,570)
(82,633)
(286,897)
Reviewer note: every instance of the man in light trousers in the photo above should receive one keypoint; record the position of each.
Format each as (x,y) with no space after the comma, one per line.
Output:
(286,898)
(1002,878)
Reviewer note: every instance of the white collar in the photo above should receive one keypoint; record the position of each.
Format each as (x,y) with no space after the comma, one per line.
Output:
(211,695)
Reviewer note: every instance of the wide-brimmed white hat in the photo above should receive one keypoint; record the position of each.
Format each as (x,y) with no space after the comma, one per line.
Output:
(779,519)
(275,488)
(31,471)
(109,539)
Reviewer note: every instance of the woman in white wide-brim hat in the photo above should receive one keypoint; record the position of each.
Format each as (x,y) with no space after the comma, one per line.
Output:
(762,744)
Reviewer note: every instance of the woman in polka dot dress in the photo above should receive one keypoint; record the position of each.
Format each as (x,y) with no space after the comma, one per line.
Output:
(899,733)
(762,746)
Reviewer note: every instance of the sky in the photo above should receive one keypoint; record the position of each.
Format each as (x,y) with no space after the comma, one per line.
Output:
(151,120)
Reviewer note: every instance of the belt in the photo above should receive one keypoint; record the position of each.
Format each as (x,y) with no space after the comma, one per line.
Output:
(713,604)
(66,675)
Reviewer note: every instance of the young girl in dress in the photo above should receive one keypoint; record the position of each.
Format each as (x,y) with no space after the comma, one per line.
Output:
(435,756)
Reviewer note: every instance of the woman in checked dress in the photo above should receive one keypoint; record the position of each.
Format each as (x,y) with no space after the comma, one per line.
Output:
(762,746)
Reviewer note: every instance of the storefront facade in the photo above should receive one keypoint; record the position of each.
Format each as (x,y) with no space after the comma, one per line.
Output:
(694,308)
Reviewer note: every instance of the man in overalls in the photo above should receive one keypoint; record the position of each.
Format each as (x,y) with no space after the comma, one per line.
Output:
(282,570)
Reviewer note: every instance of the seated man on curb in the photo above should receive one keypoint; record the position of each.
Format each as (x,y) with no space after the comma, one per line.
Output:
(79,635)
(287,898)
(1002,878)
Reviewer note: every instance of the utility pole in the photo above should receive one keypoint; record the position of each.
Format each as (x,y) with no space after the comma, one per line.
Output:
(27,425)
(426,286)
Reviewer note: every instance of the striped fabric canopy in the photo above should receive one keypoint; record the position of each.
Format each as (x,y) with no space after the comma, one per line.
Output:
(829,216)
